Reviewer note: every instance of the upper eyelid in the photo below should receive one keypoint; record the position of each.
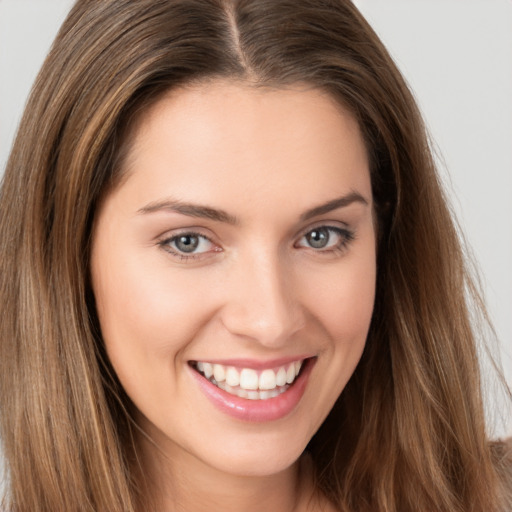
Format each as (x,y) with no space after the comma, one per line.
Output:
(166,238)
(175,233)
(337,229)
(165,242)
(334,225)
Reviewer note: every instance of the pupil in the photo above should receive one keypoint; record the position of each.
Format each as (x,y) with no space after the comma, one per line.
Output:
(187,243)
(318,238)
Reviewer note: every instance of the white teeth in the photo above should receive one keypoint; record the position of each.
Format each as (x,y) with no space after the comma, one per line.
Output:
(247,382)
(232,376)
(249,379)
(208,370)
(281,377)
(267,380)
(219,373)
(290,374)
(241,392)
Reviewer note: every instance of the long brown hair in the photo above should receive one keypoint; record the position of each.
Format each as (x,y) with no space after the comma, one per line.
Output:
(408,432)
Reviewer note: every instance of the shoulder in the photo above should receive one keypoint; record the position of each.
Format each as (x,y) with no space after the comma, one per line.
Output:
(501,450)
(504,450)
(507,457)
(502,454)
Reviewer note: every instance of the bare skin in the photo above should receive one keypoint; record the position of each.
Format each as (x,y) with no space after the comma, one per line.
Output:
(242,237)
(292,490)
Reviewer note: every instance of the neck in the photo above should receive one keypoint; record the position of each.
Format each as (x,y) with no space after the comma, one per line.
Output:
(187,484)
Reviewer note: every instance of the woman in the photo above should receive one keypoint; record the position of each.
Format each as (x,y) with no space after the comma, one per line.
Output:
(229,274)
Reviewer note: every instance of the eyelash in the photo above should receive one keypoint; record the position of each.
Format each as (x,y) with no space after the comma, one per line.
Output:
(346,237)
(165,244)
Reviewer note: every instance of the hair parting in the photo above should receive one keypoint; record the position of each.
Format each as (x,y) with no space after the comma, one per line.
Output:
(407,434)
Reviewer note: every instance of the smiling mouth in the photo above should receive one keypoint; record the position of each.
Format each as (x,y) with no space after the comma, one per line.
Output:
(249,383)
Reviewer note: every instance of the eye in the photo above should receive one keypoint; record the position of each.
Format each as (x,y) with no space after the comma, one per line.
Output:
(326,238)
(188,245)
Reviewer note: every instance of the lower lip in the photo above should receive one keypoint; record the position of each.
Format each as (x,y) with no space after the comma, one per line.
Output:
(257,410)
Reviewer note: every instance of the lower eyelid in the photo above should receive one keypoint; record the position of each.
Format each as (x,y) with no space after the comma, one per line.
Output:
(167,243)
(346,236)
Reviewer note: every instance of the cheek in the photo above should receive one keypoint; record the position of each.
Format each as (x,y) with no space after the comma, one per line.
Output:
(344,307)
(138,302)
(147,317)
(343,300)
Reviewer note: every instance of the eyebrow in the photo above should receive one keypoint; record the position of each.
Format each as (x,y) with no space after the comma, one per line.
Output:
(334,204)
(190,210)
(207,212)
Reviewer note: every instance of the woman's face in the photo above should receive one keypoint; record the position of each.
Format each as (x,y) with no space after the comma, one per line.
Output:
(234,271)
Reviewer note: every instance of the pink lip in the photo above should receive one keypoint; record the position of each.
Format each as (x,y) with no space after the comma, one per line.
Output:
(257,365)
(257,410)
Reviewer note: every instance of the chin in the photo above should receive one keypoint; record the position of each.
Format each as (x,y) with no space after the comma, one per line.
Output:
(259,462)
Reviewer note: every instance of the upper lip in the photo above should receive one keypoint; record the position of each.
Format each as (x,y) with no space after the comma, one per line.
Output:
(255,364)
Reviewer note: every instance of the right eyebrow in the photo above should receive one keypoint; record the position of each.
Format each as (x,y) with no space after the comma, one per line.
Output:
(190,210)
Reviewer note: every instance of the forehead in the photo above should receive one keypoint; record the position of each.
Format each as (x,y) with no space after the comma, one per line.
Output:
(232,139)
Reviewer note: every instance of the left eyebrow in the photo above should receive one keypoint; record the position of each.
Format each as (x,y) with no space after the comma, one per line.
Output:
(334,204)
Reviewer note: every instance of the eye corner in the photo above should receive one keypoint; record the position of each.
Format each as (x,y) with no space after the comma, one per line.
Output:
(187,245)
(329,239)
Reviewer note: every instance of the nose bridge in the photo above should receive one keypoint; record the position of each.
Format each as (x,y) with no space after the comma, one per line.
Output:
(261,302)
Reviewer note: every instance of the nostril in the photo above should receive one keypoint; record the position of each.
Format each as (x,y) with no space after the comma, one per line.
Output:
(259,300)
(270,326)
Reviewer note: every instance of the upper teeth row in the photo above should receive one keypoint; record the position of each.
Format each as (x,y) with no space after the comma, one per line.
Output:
(248,378)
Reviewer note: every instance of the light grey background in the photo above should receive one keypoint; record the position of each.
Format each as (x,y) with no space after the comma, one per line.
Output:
(457,57)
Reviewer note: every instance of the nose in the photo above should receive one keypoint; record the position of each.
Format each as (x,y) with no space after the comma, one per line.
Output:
(261,301)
